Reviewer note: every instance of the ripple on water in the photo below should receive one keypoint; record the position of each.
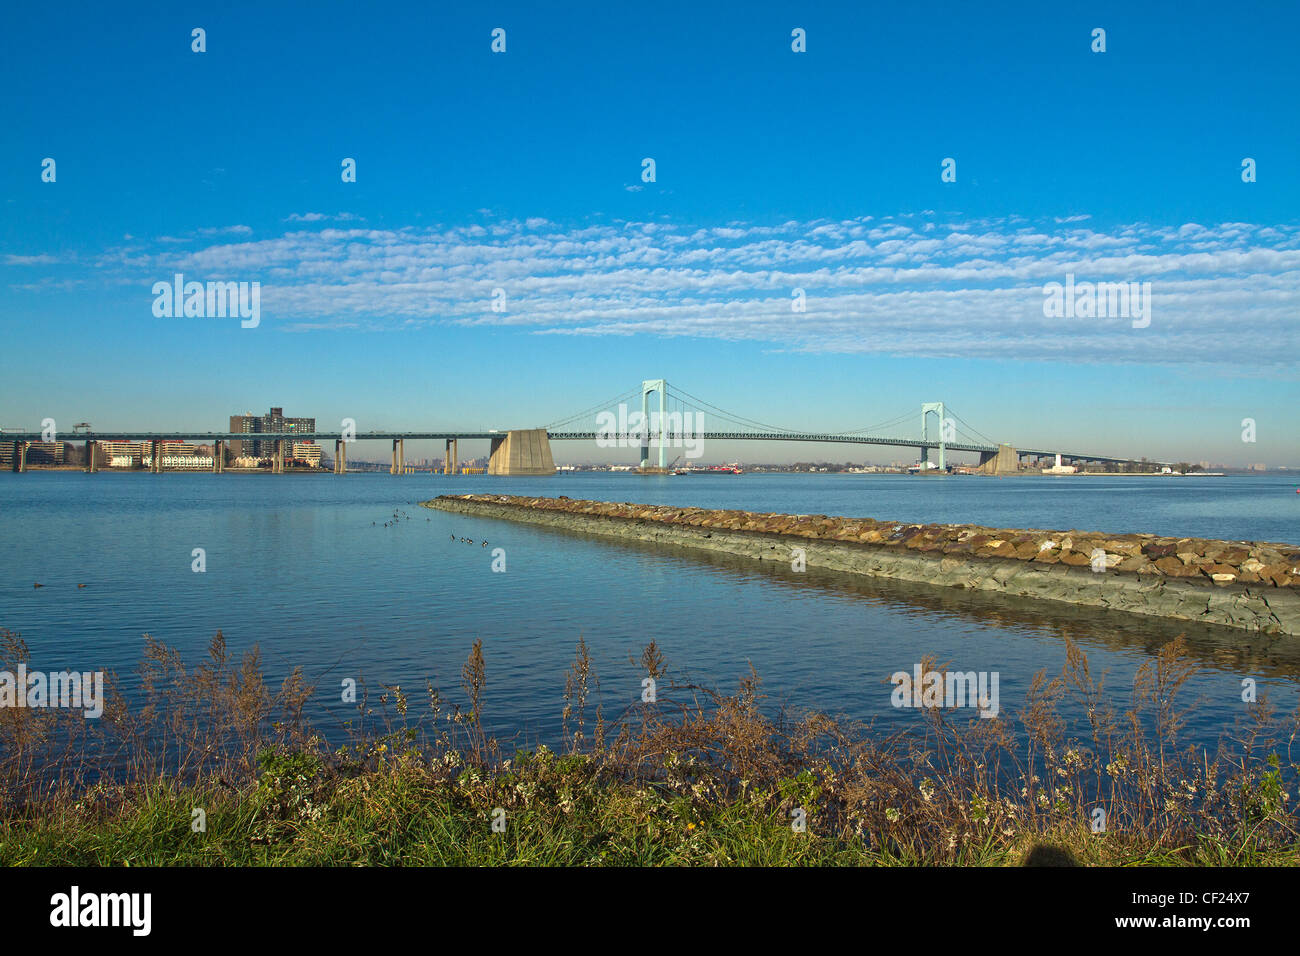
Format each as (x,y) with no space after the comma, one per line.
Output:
(295,565)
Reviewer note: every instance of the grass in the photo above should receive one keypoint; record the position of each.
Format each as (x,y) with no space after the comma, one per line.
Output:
(212,767)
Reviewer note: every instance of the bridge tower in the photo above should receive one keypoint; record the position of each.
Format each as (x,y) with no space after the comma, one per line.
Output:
(937,408)
(648,386)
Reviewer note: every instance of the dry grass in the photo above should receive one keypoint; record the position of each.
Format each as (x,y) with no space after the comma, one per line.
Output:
(694,776)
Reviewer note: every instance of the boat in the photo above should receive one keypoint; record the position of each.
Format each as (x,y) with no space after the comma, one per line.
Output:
(710,470)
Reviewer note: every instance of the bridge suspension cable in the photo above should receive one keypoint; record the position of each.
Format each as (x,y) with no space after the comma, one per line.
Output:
(889,424)
(688,398)
(973,430)
(598,407)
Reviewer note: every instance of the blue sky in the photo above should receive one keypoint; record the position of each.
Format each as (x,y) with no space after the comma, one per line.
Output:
(775,170)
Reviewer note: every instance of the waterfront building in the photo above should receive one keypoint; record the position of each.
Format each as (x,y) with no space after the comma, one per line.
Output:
(186,463)
(122,454)
(38,453)
(1060,469)
(273,421)
(244,424)
(305,451)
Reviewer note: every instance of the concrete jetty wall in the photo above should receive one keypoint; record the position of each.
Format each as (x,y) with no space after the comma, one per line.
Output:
(1243,584)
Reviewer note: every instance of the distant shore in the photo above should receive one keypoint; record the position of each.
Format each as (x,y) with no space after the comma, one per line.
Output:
(367,468)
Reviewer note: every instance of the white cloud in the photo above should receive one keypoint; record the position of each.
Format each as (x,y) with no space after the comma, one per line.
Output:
(912,285)
(321,217)
(227,231)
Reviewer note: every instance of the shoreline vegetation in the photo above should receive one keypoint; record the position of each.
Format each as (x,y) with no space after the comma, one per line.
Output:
(1249,585)
(212,766)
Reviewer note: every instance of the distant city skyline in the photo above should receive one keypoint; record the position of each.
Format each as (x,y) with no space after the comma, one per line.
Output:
(504,257)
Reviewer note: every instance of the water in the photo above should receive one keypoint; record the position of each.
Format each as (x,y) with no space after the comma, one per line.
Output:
(304,567)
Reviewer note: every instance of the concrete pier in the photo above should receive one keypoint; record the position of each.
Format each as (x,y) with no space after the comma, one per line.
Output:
(451,457)
(522,452)
(340,457)
(1004,461)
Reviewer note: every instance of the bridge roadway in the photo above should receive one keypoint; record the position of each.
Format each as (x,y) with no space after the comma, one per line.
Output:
(829,438)
(243,436)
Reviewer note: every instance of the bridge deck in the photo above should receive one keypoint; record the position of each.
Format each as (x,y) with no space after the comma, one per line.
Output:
(827,437)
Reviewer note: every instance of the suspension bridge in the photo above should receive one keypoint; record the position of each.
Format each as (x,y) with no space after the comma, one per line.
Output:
(682,417)
(679,420)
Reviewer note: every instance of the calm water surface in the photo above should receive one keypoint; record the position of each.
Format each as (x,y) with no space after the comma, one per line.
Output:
(304,567)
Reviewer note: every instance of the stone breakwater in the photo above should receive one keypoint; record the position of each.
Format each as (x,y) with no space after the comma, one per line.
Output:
(1245,584)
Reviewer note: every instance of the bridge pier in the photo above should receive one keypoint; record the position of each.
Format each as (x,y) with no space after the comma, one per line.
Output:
(340,457)
(218,456)
(1004,461)
(521,452)
(451,456)
(91,466)
(20,457)
(155,457)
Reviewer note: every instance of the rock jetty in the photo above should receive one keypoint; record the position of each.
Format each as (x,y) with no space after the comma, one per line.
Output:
(1249,584)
